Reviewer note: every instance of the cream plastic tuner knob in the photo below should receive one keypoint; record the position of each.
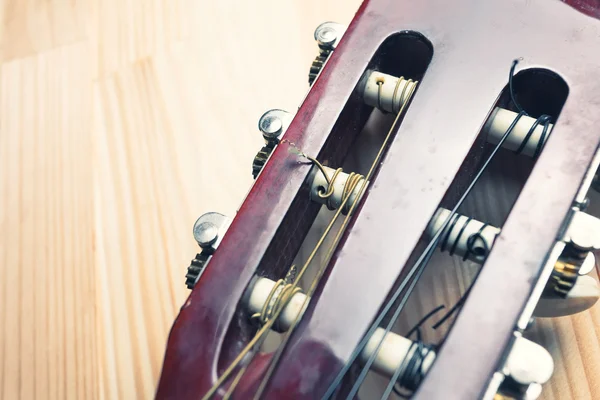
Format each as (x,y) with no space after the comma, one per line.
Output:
(582,296)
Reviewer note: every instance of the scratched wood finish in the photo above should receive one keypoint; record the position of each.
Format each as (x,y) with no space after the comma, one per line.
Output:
(120,123)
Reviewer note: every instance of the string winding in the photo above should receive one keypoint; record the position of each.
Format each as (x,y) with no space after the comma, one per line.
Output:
(277,300)
(413,276)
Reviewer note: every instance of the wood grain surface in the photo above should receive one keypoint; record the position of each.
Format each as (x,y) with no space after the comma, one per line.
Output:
(122,121)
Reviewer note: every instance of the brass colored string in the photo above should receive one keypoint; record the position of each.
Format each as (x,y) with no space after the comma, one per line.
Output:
(260,335)
(323,266)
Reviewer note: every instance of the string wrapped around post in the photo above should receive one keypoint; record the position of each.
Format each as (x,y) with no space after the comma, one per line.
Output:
(331,186)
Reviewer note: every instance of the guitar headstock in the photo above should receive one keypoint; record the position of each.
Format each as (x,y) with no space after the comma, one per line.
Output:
(468,127)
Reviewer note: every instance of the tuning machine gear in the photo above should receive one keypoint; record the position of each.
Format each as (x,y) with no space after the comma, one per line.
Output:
(208,231)
(272,125)
(327,36)
(195,270)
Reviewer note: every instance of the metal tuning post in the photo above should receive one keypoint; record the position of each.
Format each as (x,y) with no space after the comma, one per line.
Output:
(526,368)
(272,125)
(208,231)
(327,36)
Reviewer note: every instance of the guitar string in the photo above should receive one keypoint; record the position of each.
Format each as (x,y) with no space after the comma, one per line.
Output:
(546,119)
(405,96)
(260,336)
(416,269)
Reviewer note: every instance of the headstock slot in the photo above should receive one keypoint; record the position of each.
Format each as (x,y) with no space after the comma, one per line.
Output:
(505,177)
(544,92)
(359,129)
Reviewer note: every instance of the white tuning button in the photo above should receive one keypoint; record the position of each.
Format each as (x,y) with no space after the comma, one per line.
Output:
(208,231)
(386,92)
(583,295)
(528,363)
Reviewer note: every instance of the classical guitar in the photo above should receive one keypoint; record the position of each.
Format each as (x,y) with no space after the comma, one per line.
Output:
(436,136)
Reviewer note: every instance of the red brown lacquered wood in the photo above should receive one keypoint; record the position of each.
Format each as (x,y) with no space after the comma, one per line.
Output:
(268,230)
(474,43)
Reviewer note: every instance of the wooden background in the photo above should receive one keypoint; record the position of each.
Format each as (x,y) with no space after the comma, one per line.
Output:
(121,121)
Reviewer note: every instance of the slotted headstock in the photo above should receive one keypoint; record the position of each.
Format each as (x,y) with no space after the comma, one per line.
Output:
(454,108)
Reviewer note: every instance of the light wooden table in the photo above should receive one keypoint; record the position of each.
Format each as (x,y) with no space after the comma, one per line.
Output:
(121,121)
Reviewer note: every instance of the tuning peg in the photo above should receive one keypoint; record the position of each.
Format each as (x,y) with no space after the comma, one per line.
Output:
(526,368)
(327,36)
(208,231)
(583,295)
(272,125)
